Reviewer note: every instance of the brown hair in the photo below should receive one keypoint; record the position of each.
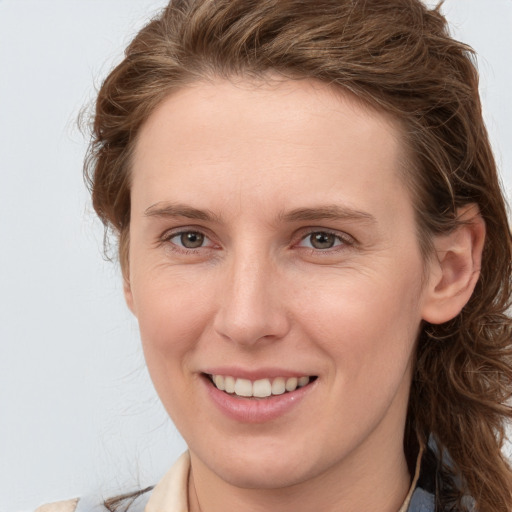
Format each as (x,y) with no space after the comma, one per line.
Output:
(397,56)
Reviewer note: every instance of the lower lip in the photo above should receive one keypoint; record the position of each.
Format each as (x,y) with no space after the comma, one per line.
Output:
(256,410)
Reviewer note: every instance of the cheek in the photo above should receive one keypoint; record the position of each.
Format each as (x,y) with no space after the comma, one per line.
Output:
(171,321)
(367,323)
(172,313)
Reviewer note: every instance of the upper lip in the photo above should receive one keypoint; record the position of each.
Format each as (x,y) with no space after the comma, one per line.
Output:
(255,373)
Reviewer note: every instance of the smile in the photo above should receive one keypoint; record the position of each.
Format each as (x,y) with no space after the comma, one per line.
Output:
(260,388)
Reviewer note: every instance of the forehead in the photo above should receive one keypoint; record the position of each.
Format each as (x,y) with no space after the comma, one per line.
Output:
(292,137)
(303,110)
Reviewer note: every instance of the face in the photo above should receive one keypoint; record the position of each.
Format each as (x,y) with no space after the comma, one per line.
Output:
(273,250)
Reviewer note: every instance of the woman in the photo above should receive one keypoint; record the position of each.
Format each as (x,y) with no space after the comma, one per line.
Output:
(315,244)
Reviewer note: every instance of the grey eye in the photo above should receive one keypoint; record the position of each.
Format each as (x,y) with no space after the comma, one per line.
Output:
(191,239)
(322,240)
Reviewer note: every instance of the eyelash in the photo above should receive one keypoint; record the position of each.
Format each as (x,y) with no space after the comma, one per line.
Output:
(343,241)
(169,235)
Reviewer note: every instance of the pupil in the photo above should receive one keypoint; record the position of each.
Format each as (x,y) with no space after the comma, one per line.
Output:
(322,240)
(191,240)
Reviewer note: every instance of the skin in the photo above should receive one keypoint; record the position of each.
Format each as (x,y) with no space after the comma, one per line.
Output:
(257,294)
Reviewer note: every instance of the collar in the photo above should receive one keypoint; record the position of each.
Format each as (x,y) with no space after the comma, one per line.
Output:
(171,493)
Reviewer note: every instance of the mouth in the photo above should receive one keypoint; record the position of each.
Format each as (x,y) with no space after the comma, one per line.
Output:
(261,388)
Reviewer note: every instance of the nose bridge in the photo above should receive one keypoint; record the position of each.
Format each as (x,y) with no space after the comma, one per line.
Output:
(250,302)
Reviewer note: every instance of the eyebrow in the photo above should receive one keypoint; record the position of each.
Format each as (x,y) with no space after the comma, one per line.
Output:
(328,212)
(164,209)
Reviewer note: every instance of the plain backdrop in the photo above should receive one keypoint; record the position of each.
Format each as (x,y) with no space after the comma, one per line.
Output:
(78,414)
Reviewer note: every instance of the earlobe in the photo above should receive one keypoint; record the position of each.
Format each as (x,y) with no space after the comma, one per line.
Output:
(455,267)
(128,295)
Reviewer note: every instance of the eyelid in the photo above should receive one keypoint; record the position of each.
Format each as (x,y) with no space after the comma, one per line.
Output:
(343,237)
(169,234)
(301,235)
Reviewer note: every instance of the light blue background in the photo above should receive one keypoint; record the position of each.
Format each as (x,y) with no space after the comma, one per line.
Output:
(77,410)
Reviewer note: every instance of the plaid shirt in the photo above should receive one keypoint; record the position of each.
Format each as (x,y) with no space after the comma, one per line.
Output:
(423,498)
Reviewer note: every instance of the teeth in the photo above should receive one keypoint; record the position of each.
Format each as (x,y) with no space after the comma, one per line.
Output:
(219,382)
(291,383)
(278,386)
(259,388)
(302,381)
(229,384)
(243,387)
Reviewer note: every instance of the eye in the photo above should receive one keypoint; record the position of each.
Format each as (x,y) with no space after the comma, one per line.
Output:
(322,240)
(188,239)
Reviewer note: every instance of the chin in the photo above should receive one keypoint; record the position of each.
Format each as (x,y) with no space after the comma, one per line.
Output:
(264,465)
(265,476)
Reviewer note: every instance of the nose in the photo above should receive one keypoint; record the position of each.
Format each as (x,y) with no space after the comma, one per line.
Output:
(251,301)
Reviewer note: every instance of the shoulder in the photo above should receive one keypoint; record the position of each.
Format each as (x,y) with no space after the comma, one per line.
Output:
(135,502)
(59,506)
(169,494)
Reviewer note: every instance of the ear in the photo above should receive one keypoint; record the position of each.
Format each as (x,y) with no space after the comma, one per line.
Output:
(124,260)
(128,295)
(455,267)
